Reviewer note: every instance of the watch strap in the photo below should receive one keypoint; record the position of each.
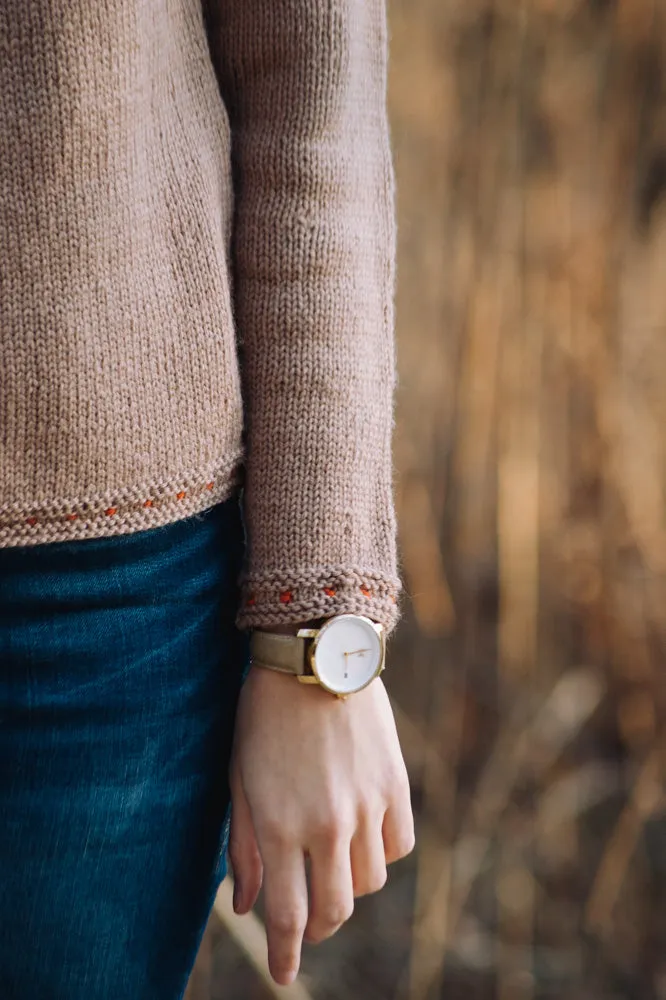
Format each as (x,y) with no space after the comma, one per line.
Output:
(286,653)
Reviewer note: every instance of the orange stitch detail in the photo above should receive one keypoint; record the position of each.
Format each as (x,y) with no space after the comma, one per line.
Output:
(366,591)
(330,591)
(251,601)
(285,597)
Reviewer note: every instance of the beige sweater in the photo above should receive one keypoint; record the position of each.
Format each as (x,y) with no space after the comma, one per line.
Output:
(196,276)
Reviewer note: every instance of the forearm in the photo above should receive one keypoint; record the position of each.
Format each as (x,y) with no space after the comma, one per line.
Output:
(314,255)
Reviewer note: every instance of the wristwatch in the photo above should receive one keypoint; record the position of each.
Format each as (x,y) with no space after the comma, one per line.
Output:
(343,655)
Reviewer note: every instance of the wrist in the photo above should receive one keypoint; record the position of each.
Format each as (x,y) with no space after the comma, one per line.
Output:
(342,654)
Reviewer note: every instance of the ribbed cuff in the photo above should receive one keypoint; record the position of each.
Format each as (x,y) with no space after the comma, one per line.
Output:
(318,592)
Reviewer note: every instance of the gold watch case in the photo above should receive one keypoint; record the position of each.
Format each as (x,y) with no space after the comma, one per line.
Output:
(315,635)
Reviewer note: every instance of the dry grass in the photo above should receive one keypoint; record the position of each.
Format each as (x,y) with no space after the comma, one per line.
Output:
(530,142)
(532,319)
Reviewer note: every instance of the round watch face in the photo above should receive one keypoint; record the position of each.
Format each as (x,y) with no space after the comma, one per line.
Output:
(347,654)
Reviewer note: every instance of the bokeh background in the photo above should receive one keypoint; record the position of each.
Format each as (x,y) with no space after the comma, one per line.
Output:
(527,673)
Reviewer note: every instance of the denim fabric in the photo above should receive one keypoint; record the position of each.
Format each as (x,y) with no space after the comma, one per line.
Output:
(120,668)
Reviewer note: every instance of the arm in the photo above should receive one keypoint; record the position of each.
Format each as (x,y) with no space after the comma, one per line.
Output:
(304,82)
(305,85)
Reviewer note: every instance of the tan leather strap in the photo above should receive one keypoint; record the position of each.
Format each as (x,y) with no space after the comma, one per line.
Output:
(279,652)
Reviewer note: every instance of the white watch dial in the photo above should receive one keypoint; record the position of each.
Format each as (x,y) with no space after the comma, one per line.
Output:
(347,654)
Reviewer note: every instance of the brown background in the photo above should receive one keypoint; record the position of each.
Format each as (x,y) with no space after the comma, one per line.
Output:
(530,149)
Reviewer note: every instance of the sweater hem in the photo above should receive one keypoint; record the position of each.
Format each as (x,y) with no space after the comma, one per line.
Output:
(318,592)
(124,511)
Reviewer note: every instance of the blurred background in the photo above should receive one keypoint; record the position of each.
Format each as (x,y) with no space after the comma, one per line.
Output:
(530,152)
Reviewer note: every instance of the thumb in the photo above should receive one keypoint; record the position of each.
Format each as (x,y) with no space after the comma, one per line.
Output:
(243,851)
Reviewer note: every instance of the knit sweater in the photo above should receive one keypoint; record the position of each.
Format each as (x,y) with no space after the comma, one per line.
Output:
(196,279)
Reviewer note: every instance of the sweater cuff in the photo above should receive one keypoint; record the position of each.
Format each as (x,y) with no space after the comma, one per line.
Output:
(318,592)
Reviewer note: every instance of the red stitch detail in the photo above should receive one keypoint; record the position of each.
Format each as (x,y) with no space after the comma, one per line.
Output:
(111,511)
(366,591)
(285,597)
(330,592)
(251,601)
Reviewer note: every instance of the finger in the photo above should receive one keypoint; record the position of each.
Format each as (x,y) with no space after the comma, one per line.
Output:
(398,830)
(368,862)
(286,897)
(331,887)
(243,852)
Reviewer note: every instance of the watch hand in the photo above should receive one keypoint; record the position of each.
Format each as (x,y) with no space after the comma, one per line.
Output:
(352,652)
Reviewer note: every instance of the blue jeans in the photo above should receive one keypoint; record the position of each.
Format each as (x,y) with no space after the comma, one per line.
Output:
(120,668)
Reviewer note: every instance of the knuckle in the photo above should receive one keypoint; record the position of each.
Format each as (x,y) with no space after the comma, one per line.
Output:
(338,913)
(316,934)
(370,882)
(276,835)
(286,923)
(371,812)
(403,844)
(327,922)
(330,831)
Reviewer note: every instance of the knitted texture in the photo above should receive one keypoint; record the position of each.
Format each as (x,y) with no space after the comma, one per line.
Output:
(196,282)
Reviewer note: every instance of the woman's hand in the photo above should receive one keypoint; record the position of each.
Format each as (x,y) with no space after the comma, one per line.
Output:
(319,777)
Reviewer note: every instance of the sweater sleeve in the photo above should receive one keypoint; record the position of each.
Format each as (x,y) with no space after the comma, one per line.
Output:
(304,82)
